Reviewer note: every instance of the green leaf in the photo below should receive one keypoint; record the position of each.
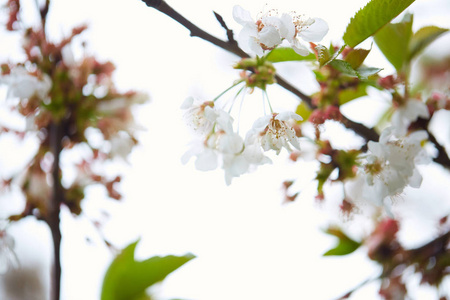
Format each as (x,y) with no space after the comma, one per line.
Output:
(368,20)
(356,57)
(365,72)
(393,40)
(288,54)
(127,279)
(346,69)
(325,56)
(303,111)
(422,38)
(345,244)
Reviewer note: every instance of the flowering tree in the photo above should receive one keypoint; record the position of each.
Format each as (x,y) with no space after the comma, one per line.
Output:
(71,103)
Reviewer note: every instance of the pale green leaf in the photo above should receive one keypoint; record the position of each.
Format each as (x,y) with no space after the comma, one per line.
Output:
(344,67)
(368,20)
(365,72)
(288,54)
(345,244)
(423,37)
(393,40)
(127,279)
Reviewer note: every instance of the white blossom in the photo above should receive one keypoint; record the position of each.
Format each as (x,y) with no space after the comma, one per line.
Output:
(274,131)
(194,115)
(389,167)
(222,147)
(23,85)
(259,35)
(298,27)
(269,30)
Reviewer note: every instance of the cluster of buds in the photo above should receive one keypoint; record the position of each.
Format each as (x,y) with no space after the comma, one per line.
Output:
(256,72)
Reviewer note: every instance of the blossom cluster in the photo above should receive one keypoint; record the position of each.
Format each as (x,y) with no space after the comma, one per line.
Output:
(272,28)
(217,144)
(389,167)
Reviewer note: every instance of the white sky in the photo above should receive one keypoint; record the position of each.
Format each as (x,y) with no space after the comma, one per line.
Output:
(248,244)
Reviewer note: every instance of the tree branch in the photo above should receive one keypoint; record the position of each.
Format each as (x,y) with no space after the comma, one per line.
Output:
(54,208)
(369,134)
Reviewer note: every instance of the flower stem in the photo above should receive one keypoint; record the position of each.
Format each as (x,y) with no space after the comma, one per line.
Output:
(229,88)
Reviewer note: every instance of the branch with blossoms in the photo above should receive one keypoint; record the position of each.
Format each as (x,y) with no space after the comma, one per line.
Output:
(69,105)
(376,172)
(369,134)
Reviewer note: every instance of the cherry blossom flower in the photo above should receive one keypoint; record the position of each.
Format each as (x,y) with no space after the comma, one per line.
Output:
(219,149)
(194,115)
(275,133)
(298,27)
(389,168)
(271,29)
(259,35)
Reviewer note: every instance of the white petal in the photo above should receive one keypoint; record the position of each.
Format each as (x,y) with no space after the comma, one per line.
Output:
(261,123)
(287,29)
(415,180)
(288,115)
(299,48)
(315,32)
(269,36)
(206,161)
(241,15)
(231,143)
(187,103)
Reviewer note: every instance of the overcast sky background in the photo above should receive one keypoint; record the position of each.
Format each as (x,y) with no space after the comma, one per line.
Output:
(249,245)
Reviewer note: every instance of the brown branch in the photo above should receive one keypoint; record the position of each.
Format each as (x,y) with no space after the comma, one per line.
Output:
(53,214)
(163,7)
(369,134)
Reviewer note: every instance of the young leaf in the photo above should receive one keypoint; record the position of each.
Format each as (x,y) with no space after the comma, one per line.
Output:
(345,244)
(393,40)
(127,279)
(325,56)
(371,18)
(356,57)
(422,38)
(346,69)
(288,54)
(365,72)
